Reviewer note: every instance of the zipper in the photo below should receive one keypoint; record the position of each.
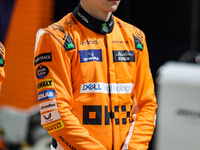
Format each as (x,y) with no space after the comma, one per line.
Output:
(109,88)
(108,76)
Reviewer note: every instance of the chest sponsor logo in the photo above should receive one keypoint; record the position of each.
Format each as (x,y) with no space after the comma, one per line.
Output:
(90,55)
(49,105)
(109,116)
(48,83)
(1,60)
(88,42)
(113,88)
(123,56)
(45,57)
(119,42)
(48,94)
(50,116)
(42,71)
(54,126)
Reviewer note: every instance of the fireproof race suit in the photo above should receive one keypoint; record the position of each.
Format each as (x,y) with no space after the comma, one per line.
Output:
(2,59)
(92,77)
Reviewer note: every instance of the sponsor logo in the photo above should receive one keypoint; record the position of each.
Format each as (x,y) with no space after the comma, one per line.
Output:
(82,17)
(48,94)
(49,105)
(69,44)
(1,60)
(88,42)
(114,88)
(45,57)
(67,143)
(104,27)
(54,126)
(50,116)
(42,71)
(48,83)
(123,56)
(47,118)
(138,43)
(118,42)
(139,46)
(90,55)
(104,113)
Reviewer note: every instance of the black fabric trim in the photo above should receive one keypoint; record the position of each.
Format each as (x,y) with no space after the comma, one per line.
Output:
(54,143)
(93,24)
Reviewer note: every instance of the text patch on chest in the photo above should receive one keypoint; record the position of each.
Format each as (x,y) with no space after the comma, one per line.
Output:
(90,55)
(123,56)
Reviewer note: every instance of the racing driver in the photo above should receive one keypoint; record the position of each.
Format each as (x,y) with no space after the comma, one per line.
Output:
(95,88)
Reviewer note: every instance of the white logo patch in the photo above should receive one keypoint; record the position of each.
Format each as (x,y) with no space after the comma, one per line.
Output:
(49,105)
(50,116)
(115,88)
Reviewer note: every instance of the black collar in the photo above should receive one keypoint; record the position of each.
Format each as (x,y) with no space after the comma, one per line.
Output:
(93,24)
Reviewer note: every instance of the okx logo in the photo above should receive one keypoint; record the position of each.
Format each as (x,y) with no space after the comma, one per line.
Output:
(90,55)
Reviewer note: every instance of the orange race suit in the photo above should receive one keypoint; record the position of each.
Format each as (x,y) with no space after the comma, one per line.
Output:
(2,60)
(92,78)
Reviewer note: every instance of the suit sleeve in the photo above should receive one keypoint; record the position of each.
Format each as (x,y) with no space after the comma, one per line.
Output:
(52,67)
(142,128)
(2,60)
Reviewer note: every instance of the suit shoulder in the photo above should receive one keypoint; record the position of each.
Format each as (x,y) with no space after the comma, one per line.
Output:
(133,29)
(63,26)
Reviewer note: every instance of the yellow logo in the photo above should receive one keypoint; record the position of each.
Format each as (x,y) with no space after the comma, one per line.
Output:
(48,83)
(54,126)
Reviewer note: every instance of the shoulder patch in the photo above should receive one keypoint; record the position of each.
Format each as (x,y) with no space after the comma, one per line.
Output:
(58,28)
(138,43)
(69,44)
(1,55)
(1,61)
(1,48)
(71,21)
(138,33)
(65,39)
